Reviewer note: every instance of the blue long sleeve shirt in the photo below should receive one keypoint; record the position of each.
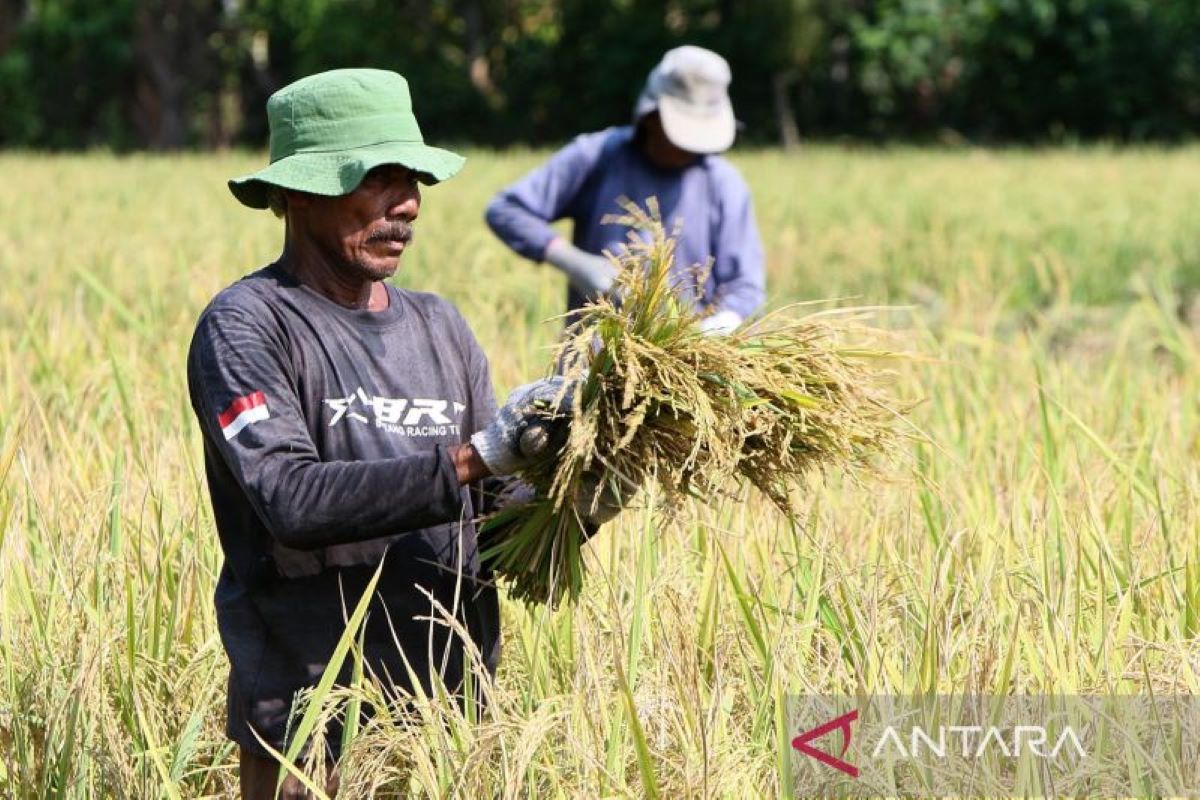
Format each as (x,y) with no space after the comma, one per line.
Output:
(708,202)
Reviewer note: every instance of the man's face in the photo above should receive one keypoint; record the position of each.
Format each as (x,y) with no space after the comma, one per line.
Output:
(366,231)
(659,149)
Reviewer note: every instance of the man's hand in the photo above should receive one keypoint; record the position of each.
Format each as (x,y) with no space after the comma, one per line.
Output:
(468,466)
(531,425)
(591,275)
(720,323)
(596,504)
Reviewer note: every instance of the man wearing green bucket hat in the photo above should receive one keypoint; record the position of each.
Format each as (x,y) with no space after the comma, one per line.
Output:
(349,426)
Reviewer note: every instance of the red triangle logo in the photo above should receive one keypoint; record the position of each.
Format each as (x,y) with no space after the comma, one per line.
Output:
(841,723)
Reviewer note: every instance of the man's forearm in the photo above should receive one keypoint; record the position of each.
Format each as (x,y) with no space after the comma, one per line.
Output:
(310,504)
(517,226)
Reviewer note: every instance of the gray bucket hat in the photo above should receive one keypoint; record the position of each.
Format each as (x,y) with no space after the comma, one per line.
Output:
(690,90)
(330,129)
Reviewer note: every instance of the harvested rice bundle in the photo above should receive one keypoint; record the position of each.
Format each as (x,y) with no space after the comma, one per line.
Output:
(661,402)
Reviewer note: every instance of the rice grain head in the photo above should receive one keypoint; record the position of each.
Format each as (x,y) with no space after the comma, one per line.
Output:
(659,401)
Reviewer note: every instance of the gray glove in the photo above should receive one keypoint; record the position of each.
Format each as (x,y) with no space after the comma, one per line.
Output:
(531,425)
(596,504)
(591,275)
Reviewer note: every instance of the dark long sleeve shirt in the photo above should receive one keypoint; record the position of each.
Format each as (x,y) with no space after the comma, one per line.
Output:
(584,181)
(325,434)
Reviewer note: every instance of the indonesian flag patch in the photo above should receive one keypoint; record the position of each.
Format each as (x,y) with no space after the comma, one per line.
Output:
(241,412)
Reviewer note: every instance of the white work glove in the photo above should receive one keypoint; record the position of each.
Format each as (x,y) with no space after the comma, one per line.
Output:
(531,425)
(721,323)
(591,275)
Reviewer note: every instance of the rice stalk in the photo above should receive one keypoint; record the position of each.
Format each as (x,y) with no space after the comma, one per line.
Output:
(661,402)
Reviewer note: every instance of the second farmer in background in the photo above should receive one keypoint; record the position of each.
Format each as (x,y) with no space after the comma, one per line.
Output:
(682,120)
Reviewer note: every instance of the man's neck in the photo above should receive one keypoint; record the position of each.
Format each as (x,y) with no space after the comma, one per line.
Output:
(342,287)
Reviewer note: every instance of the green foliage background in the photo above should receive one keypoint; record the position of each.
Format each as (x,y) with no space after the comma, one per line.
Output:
(173,73)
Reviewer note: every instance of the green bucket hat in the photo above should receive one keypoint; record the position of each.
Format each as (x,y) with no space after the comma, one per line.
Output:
(328,130)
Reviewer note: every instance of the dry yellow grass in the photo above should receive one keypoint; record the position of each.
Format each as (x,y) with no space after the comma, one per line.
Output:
(1045,538)
(659,402)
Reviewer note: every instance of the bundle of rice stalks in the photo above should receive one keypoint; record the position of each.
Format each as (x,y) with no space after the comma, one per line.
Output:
(698,415)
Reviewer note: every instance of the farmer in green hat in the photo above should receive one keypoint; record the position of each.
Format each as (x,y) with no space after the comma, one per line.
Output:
(346,423)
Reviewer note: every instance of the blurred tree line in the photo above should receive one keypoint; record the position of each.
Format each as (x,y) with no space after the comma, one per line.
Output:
(164,74)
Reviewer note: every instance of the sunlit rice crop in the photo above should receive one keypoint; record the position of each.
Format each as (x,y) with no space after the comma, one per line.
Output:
(1042,537)
(661,402)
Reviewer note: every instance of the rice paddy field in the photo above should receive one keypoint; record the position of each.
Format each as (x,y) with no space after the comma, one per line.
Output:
(1040,534)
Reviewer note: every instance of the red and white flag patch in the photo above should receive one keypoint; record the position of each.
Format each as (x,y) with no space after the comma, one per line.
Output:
(241,412)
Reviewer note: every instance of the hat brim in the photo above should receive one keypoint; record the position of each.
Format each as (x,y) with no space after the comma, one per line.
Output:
(335,173)
(697,131)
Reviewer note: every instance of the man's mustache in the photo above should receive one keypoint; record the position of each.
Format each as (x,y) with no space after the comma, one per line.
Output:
(398,231)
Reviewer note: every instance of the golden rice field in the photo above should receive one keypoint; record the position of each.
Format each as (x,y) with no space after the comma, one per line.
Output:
(1042,533)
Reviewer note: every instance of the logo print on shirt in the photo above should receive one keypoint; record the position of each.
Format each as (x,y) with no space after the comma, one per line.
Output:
(343,406)
(417,416)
